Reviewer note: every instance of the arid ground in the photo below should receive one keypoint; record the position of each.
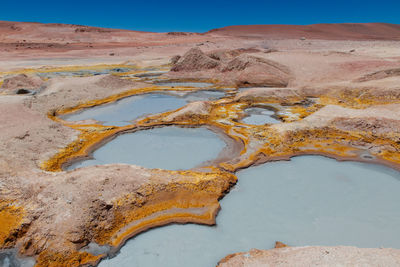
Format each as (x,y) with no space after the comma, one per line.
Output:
(335,86)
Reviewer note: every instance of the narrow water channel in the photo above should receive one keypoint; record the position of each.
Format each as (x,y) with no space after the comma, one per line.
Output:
(185,84)
(310,200)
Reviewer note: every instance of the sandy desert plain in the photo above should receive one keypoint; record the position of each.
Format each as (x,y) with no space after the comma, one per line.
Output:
(334,90)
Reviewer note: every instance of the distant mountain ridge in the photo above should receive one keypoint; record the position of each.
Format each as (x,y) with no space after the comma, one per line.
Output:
(61,33)
(338,31)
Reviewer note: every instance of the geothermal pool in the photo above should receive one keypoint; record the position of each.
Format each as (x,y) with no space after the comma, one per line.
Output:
(123,111)
(170,148)
(259,116)
(310,200)
(127,109)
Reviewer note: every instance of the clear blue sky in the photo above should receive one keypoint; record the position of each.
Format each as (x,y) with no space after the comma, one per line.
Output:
(198,16)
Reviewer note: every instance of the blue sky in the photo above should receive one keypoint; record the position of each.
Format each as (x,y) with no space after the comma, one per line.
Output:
(198,16)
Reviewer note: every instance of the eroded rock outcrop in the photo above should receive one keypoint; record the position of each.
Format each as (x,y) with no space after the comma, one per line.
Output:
(194,60)
(253,71)
(379,75)
(232,67)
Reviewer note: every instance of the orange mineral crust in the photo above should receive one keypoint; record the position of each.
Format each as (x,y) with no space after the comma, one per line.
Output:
(11,219)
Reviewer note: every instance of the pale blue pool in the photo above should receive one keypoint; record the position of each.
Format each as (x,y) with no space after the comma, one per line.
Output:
(310,200)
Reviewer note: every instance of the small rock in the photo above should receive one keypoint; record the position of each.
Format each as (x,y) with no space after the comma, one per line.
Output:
(280,245)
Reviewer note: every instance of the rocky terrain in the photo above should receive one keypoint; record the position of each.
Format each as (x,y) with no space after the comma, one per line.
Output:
(314,256)
(335,88)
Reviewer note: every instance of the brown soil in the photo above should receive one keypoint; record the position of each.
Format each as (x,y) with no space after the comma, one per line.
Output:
(344,31)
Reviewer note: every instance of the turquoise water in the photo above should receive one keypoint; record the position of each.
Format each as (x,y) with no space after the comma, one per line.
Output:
(170,148)
(260,116)
(309,200)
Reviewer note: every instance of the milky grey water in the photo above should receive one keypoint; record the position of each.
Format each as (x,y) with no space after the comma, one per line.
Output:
(8,258)
(171,148)
(260,116)
(185,84)
(123,111)
(310,200)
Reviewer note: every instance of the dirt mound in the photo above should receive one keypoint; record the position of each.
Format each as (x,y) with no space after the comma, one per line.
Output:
(113,81)
(256,71)
(380,75)
(193,110)
(245,61)
(344,31)
(22,82)
(234,67)
(195,60)
(226,54)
